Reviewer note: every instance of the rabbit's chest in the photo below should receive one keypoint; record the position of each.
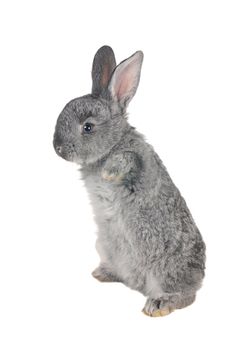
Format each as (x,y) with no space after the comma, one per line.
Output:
(104,198)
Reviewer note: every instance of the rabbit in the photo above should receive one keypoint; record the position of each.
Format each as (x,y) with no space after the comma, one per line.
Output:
(147,238)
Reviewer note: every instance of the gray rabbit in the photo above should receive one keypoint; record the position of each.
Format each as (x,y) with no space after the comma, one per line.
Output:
(147,238)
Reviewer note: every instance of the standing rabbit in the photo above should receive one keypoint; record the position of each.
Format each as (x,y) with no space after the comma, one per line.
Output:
(147,238)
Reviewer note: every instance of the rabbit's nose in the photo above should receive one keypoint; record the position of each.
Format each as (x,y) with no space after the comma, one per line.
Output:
(57,144)
(59,149)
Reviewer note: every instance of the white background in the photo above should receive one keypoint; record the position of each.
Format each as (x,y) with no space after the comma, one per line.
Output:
(48,298)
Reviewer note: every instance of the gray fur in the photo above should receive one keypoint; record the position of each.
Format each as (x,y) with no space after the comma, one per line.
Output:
(147,238)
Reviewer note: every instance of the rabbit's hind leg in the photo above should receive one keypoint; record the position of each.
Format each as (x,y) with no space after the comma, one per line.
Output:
(184,300)
(104,274)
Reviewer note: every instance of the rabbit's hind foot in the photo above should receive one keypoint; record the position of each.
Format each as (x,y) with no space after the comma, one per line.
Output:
(165,305)
(104,274)
(152,308)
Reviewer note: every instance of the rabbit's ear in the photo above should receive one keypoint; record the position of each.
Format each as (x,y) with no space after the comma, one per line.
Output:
(125,79)
(103,65)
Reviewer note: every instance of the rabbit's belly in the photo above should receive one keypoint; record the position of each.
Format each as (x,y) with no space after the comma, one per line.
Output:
(119,255)
(117,251)
(113,245)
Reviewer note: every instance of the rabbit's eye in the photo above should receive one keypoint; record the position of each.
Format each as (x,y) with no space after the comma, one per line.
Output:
(87,128)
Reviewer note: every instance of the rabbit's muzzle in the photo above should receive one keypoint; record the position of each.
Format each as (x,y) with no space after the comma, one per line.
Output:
(65,150)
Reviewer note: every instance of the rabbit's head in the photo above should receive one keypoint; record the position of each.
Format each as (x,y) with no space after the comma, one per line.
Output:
(91,125)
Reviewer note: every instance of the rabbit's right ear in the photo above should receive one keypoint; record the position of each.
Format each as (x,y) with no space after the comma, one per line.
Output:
(103,65)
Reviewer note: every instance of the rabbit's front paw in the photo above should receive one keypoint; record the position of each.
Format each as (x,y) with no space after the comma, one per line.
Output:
(152,308)
(122,167)
(103,274)
(111,176)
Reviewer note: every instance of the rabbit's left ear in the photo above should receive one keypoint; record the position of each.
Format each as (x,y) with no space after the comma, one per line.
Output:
(103,65)
(125,79)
